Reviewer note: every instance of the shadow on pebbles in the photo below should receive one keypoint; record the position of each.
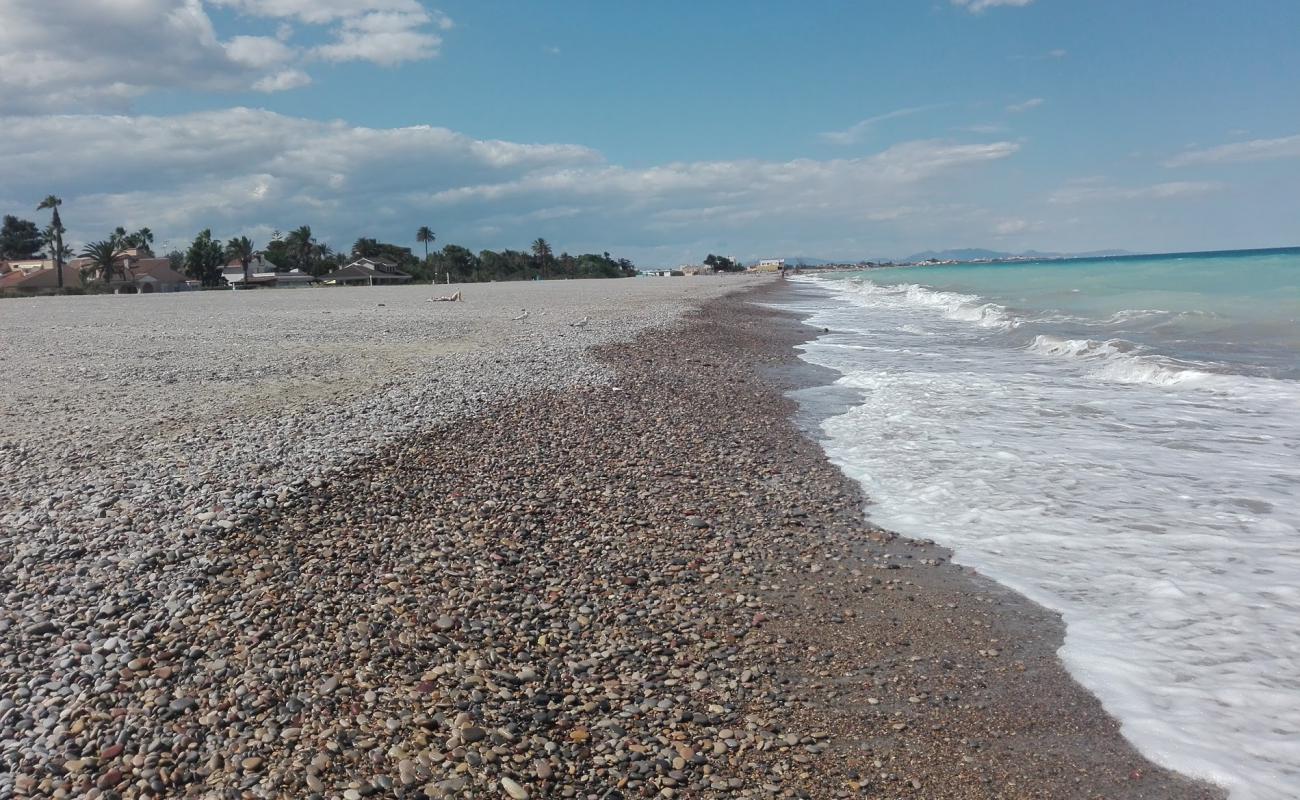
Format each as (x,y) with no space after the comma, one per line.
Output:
(652,588)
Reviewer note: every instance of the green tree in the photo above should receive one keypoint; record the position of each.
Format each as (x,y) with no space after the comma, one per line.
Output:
(105,258)
(19,238)
(141,241)
(301,248)
(542,252)
(456,264)
(55,234)
(204,259)
(721,264)
(241,249)
(426,236)
(365,248)
(176,260)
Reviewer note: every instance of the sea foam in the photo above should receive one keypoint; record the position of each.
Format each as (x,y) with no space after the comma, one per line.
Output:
(1153,501)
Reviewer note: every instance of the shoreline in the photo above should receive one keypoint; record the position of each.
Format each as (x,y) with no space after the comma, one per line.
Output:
(662,588)
(937,705)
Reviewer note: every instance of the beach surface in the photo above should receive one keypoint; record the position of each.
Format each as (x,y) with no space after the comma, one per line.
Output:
(351,543)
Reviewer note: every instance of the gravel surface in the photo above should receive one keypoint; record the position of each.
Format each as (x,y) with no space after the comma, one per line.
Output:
(634,577)
(139,431)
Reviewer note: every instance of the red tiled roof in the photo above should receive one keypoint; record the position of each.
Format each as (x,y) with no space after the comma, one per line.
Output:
(41,279)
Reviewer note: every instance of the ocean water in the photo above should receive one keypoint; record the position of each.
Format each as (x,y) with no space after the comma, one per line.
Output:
(1119,440)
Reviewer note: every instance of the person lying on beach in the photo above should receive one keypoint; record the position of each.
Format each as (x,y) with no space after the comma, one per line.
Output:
(446,298)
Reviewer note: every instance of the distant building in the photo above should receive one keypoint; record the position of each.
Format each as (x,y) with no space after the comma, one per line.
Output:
(770,265)
(695,269)
(367,272)
(35,275)
(138,275)
(263,275)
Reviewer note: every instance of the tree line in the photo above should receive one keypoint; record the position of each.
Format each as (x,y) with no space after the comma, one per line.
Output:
(206,257)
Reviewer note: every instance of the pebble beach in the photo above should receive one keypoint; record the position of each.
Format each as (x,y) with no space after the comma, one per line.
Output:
(556,540)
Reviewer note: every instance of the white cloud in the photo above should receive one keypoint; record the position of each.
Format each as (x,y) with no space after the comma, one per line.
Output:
(1253,150)
(976,6)
(63,54)
(258,52)
(855,132)
(386,38)
(242,170)
(283,81)
(1020,108)
(103,54)
(1090,191)
(1059,52)
(319,12)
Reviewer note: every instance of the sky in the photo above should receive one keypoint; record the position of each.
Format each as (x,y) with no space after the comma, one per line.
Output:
(661,131)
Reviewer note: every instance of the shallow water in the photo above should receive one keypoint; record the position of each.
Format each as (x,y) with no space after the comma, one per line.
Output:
(1125,454)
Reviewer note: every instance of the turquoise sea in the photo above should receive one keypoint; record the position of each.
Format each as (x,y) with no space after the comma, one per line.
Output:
(1230,311)
(1117,439)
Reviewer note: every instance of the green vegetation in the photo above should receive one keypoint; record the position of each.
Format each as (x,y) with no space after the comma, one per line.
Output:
(19,238)
(105,261)
(241,249)
(721,264)
(206,257)
(54,234)
(204,260)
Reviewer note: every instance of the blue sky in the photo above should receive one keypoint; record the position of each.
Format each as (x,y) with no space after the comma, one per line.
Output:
(663,131)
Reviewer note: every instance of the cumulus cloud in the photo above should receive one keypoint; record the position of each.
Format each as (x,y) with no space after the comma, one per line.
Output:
(282,81)
(69,53)
(976,6)
(103,54)
(258,52)
(854,133)
(1020,108)
(1091,191)
(384,38)
(1253,150)
(243,169)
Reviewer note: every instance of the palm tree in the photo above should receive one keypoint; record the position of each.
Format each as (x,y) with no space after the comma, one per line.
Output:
(105,258)
(365,248)
(301,245)
(241,249)
(141,240)
(56,228)
(542,250)
(425,235)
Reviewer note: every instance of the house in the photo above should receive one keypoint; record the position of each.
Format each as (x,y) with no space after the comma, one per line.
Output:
(36,275)
(367,272)
(771,265)
(263,275)
(139,275)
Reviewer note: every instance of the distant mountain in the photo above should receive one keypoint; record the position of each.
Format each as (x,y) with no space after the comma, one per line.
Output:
(979,254)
